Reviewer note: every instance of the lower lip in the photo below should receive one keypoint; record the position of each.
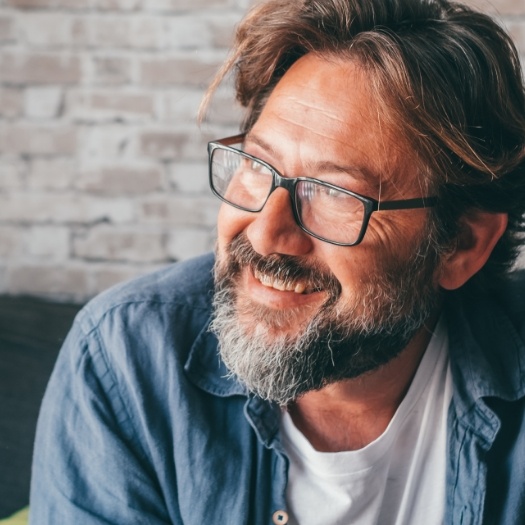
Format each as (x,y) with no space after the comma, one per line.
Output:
(278,299)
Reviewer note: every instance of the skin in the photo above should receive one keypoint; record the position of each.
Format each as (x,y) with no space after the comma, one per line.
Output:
(322,122)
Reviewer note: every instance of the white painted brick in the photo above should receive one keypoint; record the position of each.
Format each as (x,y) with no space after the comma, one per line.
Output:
(109,142)
(7,29)
(120,244)
(42,102)
(81,32)
(188,32)
(174,144)
(502,7)
(119,160)
(65,282)
(189,177)
(45,30)
(106,274)
(148,32)
(183,5)
(22,68)
(174,210)
(12,241)
(117,5)
(179,106)
(108,69)
(34,208)
(183,68)
(184,243)
(11,102)
(196,147)
(111,32)
(221,28)
(12,174)
(50,4)
(244,5)
(37,139)
(113,105)
(163,144)
(121,180)
(224,110)
(108,31)
(51,174)
(517,32)
(3,278)
(50,243)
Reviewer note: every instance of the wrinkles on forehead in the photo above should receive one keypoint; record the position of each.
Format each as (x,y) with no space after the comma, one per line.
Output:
(323,114)
(314,167)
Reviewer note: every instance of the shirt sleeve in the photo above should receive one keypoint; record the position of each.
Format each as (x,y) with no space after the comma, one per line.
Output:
(88,465)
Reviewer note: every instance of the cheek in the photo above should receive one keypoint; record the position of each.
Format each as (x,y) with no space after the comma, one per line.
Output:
(347,264)
(355,268)
(230,222)
(386,242)
(387,234)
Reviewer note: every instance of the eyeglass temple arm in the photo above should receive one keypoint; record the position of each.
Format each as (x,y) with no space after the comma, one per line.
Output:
(406,204)
(228,141)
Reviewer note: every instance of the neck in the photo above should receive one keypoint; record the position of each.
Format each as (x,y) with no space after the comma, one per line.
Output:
(350,414)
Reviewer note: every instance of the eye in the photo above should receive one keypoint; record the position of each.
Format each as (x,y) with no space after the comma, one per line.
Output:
(252,165)
(256,166)
(333,193)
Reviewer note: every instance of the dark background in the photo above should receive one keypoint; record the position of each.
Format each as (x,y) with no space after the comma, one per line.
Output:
(31,333)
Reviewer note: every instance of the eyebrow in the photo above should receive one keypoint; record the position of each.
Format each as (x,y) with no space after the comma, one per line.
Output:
(323,166)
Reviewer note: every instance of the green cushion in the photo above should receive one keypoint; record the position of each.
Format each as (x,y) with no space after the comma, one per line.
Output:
(20,518)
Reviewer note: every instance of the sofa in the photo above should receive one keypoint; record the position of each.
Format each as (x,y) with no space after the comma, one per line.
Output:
(31,333)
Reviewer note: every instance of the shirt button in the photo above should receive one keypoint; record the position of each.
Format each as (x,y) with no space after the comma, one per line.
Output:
(280,517)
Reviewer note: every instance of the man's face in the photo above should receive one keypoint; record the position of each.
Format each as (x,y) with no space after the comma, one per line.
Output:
(294,313)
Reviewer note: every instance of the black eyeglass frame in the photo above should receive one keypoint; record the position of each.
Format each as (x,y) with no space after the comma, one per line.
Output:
(290,184)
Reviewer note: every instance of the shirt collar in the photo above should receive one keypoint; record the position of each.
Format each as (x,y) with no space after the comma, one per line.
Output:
(206,369)
(487,353)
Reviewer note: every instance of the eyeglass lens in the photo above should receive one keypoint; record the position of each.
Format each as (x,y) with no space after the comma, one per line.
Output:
(322,210)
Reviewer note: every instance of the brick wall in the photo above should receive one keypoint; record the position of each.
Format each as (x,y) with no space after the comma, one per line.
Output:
(102,167)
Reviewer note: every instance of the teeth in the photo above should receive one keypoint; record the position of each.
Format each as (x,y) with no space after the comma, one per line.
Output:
(283,286)
(280,285)
(300,288)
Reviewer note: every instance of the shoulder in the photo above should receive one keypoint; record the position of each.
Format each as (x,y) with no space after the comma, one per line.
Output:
(152,319)
(507,299)
(142,333)
(487,339)
(184,285)
(189,282)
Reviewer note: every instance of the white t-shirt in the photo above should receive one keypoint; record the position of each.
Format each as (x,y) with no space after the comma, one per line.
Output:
(398,479)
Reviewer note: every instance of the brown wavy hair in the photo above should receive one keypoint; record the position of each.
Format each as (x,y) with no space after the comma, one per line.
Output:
(448,78)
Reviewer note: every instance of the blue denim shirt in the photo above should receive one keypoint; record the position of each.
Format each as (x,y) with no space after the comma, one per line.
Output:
(140,424)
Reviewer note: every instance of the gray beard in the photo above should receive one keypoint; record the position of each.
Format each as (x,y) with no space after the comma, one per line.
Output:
(338,343)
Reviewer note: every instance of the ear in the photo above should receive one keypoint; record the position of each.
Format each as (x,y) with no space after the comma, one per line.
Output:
(479,233)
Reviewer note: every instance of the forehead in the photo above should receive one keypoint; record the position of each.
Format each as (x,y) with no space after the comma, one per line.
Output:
(324,110)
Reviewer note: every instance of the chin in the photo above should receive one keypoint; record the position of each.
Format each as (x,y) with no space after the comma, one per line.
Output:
(270,323)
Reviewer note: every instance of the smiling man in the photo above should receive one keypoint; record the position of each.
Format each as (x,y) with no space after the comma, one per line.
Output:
(355,351)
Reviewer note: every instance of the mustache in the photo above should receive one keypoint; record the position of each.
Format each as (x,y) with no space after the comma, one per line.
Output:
(287,268)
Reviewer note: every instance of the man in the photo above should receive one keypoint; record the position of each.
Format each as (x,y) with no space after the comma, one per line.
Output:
(357,354)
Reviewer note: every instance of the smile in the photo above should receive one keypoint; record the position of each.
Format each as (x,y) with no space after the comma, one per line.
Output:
(296,286)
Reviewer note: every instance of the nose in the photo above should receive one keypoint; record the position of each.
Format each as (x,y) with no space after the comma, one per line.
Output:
(274,230)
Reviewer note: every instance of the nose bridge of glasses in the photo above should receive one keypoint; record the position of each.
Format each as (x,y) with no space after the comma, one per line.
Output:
(287,183)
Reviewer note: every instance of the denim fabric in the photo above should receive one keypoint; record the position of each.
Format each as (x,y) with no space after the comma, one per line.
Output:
(141,425)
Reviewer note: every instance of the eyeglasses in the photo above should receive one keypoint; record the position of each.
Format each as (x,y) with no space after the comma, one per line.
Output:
(324,211)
